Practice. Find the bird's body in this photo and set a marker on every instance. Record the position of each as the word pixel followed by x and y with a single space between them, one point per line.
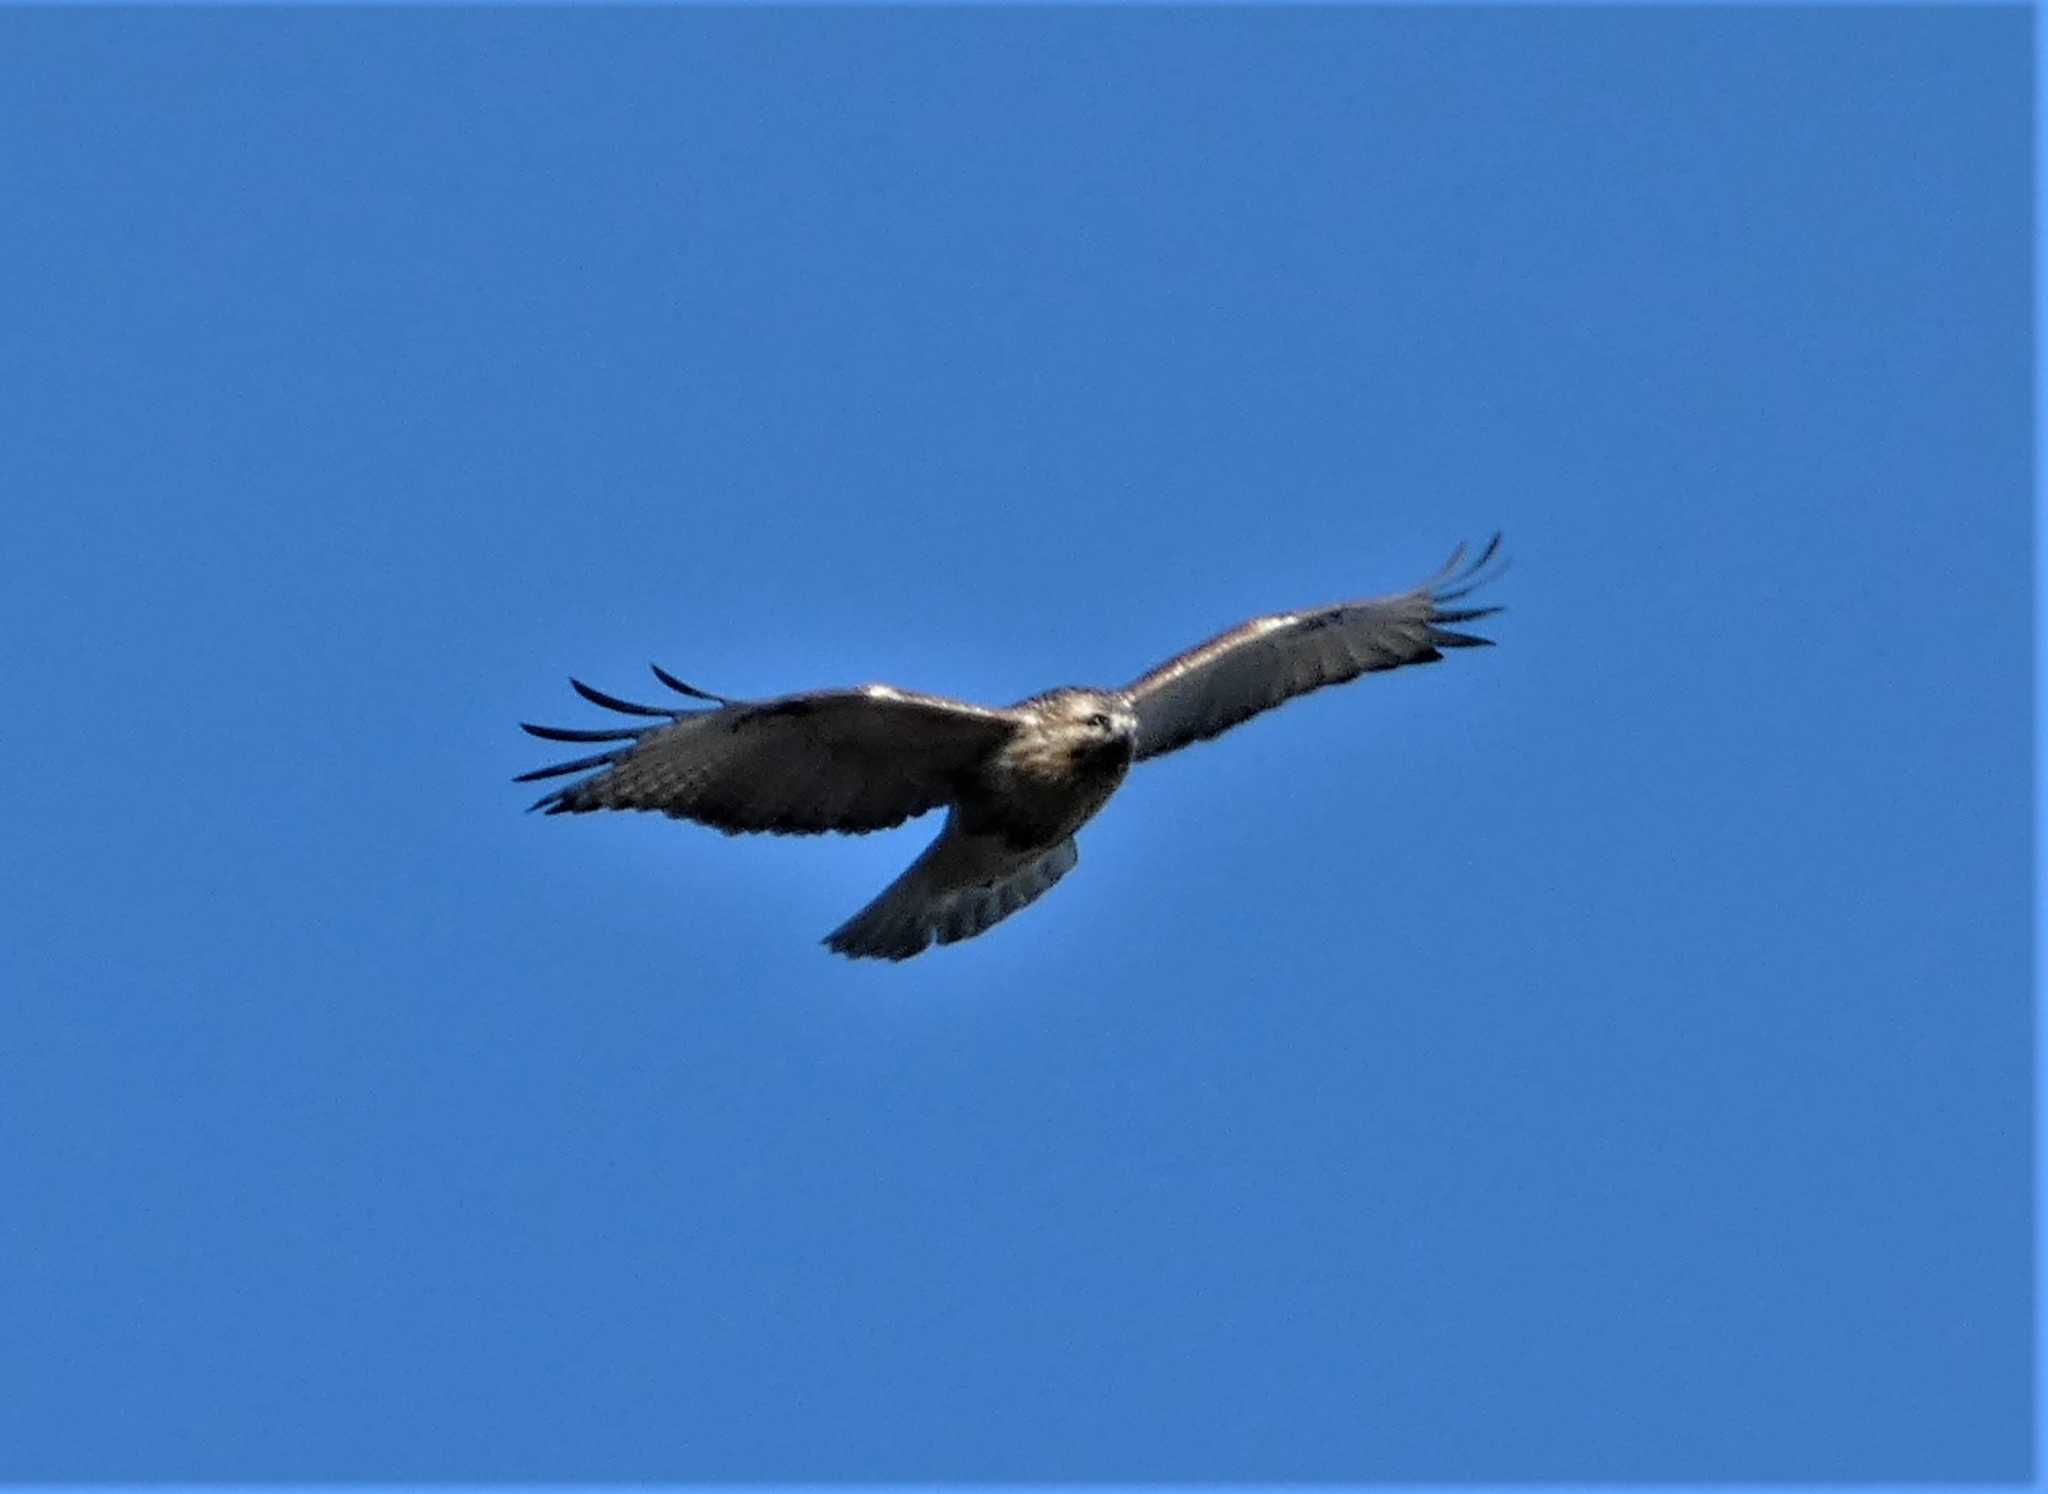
pixel 1069 752
pixel 1017 782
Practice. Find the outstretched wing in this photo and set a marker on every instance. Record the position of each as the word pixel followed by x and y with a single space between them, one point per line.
pixel 853 760
pixel 961 886
pixel 1258 665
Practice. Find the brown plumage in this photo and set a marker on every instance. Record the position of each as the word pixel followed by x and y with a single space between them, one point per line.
pixel 1018 782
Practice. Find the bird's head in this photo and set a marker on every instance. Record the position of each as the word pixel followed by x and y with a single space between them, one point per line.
pixel 1093 726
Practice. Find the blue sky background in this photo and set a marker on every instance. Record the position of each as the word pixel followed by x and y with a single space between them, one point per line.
pixel 1604 1056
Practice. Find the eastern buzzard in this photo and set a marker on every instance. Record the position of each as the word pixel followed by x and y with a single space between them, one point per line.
pixel 1016 782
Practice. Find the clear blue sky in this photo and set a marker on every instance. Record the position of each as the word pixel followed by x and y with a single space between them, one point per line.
pixel 1602 1056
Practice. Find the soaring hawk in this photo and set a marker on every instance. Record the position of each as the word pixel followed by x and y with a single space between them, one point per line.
pixel 1016 782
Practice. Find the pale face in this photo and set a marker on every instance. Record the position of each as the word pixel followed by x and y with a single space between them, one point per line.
pixel 1094 727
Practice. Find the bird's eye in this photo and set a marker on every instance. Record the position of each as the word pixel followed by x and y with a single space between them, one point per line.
pixel 1099 721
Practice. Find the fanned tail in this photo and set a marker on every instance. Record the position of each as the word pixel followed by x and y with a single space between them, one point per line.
pixel 961 886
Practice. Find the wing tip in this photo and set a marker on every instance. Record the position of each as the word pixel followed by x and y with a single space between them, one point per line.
pixel 629 736
pixel 682 687
pixel 1446 638
pixel 1457 577
pixel 613 703
pixel 575 765
pixel 581 734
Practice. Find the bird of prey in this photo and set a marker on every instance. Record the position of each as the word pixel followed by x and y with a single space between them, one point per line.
pixel 1016 782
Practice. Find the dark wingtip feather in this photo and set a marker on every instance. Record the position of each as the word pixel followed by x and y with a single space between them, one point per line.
pixel 556 770
pixel 579 734
pixel 684 689
pixel 1481 572
pixel 612 702
pixel 1462 614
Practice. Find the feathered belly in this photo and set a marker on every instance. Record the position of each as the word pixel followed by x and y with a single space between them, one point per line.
pixel 1041 800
